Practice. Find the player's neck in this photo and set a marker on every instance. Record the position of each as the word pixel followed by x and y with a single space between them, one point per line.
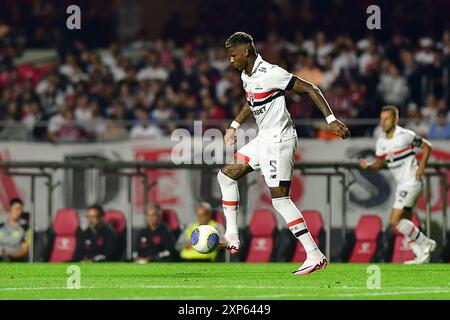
pixel 390 133
pixel 250 64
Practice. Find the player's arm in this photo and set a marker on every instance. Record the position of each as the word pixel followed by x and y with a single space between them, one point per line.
pixel 426 147
pixel 376 164
pixel 21 253
pixel 337 127
pixel 230 135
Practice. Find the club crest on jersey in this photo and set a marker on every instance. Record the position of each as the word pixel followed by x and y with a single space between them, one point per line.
pixel 390 156
pixel 251 97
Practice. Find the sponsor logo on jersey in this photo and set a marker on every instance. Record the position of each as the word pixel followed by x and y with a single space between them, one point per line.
pixel 259 111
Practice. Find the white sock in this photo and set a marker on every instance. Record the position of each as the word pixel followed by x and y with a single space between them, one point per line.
pixel 296 223
pixel 230 202
pixel 411 232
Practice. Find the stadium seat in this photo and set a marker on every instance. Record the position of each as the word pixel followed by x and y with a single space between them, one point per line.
pixel 315 225
pixel 367 234
pixel 170 218
pixel 65 227
pixel 117 220
pixel 262 229
pixel 219 217
pixel 402 251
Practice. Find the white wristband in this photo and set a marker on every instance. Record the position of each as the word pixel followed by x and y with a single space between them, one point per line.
pixel 330 118
pixel 235 125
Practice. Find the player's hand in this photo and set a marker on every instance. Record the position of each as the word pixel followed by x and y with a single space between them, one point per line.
pixel 339 129
pixel 363 164
pixel 420 173
pixel 230 137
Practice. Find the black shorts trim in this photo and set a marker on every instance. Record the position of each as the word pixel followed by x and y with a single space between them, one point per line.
pixel 285 184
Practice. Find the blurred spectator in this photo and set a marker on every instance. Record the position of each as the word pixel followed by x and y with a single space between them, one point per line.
pixel 430 110
pixel 66 129
pixel 310 72
pixel 155 242
pixel 392 87
pixel 114 131
pixel 144 129
pixel 416 123
pixel 440 129
pixel 187 76
pixel 99 241
pixel 12 129
pixel 14 234
pixel 204 217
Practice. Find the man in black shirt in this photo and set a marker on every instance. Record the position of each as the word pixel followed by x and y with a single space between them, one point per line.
pixel 155 242
pixel 99 241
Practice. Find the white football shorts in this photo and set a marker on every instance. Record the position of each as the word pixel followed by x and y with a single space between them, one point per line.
pixel 274 159
pixel 407 194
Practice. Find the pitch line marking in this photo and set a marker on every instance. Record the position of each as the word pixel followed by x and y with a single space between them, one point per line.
pixel 219 287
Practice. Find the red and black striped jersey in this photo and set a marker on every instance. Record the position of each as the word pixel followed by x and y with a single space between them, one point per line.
pixel 264 90
pixel 399 153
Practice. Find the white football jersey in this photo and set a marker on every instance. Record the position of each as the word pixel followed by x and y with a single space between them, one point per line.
pixel 399 153
pixel 264 90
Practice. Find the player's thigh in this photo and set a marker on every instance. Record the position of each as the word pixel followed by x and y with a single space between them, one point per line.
pixel 236 171
pixel 277 165
pixel 245 161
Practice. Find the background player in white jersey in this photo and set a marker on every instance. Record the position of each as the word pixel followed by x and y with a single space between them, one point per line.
pixel 272 151
pixel 395 148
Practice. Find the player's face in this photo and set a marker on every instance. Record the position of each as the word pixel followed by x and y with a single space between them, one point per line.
pixel 387 120
pixel 203 216
pixel 93 217
pixel 154 218
pixel 15 211
pixel 238 57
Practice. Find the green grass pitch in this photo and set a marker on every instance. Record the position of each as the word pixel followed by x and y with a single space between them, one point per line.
pixel 227 281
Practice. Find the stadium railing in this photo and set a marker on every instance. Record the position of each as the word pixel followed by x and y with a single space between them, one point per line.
pixel 17 131
pixel 130 169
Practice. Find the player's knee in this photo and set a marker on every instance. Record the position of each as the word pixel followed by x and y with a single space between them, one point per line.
pixel 403 226
pixel 279 192
pixel 395 221
pixel 224 179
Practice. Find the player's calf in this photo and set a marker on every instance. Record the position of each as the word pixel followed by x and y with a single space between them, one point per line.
pixel 297 225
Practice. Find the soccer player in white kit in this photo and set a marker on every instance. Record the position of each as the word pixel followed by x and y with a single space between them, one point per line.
pixel 273 150
pixel 396 148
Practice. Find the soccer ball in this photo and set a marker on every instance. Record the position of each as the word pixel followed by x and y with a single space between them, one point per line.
pixel 204 239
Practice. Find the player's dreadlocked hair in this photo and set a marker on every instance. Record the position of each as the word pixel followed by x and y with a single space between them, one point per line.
pixel 392 109
pixel 239 38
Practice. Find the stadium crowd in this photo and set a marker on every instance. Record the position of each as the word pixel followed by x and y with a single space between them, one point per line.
pixel 111 95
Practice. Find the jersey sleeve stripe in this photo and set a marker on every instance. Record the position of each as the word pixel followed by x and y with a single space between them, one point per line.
pixel 291 83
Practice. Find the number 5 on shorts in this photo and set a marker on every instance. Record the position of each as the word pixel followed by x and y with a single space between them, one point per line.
pixel 273 165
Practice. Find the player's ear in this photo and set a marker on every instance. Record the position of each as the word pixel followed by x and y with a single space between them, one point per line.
pixel 246 52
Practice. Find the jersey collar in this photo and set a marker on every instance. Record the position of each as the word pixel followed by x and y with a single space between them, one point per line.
pixel 258 61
